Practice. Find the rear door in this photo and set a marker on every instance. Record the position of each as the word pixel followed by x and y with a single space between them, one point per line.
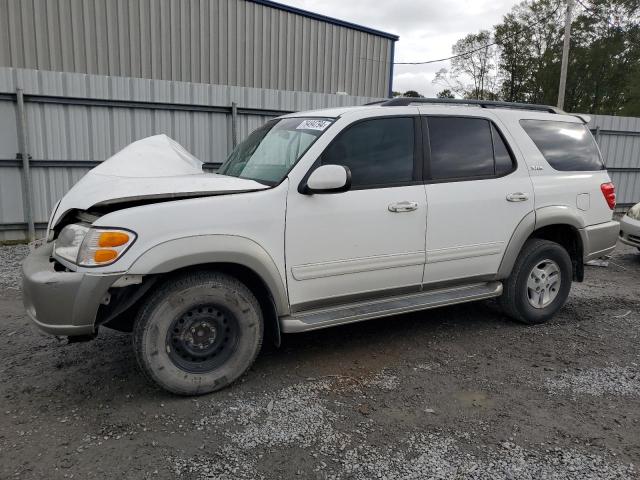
pixel 477 193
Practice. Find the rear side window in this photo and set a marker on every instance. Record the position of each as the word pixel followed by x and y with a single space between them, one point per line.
pixel 378 152
pixel 503 159
pixel 466 148
pixel 566 146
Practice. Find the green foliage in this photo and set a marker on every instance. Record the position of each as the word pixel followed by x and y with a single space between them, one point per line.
pixel 411 93
pixel 473 75
pixel 446 93
pixel 604 58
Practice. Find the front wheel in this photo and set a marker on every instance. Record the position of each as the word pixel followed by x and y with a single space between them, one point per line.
pixel 539 283
pixel 198 333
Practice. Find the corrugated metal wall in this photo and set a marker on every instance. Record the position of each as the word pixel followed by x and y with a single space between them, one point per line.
pixel 63 137
pixel 619 140
pixel 224 42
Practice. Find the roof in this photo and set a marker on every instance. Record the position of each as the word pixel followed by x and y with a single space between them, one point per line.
pixel 438 106
pixel 404 101
pixel 324 18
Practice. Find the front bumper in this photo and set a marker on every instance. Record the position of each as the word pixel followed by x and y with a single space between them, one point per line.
pixel 630 231
pixel 599 240
pixel 60 302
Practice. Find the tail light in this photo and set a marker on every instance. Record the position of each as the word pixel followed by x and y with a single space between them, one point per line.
pixel 609 192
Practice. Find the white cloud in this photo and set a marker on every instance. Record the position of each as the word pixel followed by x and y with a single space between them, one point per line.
pixel 427 29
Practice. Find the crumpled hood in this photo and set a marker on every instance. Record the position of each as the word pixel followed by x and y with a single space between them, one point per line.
pixel 152 168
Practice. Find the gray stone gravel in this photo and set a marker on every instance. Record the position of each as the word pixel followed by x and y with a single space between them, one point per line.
pixel 10 259
pixel 436 456
pixel 303 416
pixel 613 380
pixel 453 393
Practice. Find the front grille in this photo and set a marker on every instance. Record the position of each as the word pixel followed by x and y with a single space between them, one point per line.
pixel 634 238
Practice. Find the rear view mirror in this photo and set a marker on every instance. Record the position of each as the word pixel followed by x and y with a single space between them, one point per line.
pixel 328 179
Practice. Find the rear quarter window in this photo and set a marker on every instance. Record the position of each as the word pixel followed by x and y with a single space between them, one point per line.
pixel 566 146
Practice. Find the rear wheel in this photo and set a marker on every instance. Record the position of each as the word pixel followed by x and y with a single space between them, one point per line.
pixel 198 333
pixel 539 283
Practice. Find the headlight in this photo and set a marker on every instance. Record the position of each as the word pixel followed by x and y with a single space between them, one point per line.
pixel 92 247
pixel 634 212
pixel 69 241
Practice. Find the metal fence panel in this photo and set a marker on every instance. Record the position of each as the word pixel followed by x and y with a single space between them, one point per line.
pixel 619 141
pixel 65 138
pixel 63 135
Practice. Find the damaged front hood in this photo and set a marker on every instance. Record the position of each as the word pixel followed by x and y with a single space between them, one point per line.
pixel 152 168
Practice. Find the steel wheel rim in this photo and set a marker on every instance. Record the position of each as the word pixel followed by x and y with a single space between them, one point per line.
pixel 202 338
pixel 543 283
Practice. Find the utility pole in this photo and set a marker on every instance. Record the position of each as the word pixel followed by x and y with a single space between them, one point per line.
pixel 565 53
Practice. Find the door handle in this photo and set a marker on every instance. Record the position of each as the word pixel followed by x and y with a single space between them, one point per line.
pixel 405 206
pixel 517 197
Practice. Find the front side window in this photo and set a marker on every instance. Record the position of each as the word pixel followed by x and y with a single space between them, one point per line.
pixel 566 146
pixel 272 150
pixel 466 148
pixel 379 152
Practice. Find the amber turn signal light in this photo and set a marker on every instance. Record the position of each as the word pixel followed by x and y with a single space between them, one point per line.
pixel 112 239
pixel 104 255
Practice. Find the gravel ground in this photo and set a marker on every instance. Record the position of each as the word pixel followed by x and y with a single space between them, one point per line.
pixel 10 258
pixel 458 392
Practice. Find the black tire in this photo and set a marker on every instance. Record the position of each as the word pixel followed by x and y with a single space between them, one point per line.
pixel 197 333
pixel 515 299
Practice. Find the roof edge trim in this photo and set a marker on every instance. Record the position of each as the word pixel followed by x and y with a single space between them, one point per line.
pixel 324 18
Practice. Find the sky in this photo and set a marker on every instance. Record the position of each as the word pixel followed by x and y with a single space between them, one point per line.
pixel 427 29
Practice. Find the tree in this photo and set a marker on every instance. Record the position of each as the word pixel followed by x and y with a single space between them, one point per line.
pixel 473 72
pixel 524 63
pixel 478 64
pixel 411 93
pixel 605 59
pixel 446 93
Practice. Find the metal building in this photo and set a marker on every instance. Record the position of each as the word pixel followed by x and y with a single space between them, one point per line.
pixel 247 43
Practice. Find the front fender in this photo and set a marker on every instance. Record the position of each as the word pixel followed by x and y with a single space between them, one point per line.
pixel 202 249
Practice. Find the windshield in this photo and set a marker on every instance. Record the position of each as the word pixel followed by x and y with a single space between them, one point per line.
pixel 272 150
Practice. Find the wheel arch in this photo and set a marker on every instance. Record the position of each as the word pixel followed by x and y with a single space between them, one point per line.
pixel 236 256
pixel 206 251
pixel 559 224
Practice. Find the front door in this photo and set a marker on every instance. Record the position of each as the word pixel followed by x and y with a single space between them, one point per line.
pixel 341 247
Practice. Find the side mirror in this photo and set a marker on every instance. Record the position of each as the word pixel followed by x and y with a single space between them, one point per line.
pixel 328 179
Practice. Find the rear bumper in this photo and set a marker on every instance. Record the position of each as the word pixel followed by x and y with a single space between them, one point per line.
pixel 599 240
pixel 630 231
pixel 61 303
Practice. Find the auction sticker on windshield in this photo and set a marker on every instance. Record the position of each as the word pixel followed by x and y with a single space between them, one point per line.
pixel 313 125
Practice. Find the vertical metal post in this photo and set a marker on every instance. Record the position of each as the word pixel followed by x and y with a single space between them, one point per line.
pixel 565 54
pixel 597 135
pixel 23 145
pixel 234 124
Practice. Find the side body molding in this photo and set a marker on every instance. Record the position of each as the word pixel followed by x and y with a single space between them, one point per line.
pixel 545 216
pixel 201 249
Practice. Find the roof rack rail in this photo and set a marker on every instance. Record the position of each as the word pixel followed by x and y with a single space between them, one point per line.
pixel 404 101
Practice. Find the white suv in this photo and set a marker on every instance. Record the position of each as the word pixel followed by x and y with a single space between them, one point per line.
pixel 322 218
